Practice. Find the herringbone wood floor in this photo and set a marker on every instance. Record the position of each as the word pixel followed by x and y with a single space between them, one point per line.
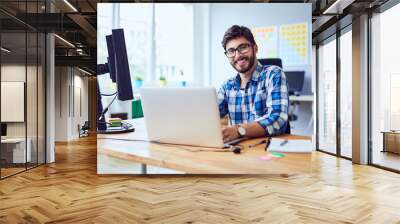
pixel 70 191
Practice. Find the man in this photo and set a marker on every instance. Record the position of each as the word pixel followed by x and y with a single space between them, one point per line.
pixel 256 98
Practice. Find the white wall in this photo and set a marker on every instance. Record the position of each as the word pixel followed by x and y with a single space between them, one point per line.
pixel 71 96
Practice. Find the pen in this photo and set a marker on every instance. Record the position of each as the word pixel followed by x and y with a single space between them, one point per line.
pixel 268 143
pixel 258 143
pixel 284 142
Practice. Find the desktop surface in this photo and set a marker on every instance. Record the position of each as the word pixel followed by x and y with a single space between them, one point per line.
pixel 200 160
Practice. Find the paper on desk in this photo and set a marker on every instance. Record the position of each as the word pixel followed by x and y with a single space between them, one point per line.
pixel 299 146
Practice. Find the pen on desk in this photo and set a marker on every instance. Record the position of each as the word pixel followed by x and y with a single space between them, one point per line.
pixel 268 143
pixel 258 143
pixel 284 142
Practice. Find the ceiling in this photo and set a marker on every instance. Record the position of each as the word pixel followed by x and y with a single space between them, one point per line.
pixel 75 21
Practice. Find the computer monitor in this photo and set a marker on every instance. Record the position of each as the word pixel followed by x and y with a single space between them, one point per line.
pixel 295 80
pixel 118 67
pixel 111 61
pixel 123 76
pixel 3 129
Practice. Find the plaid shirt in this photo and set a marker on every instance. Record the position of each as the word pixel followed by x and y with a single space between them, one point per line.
pixel 264 100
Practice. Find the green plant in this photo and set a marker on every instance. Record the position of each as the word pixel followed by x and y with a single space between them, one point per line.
pixel 162 78
pixel 138 78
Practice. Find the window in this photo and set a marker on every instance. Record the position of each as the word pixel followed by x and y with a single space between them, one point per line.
pixel 345 93
pixel 327 96
pixel 174 41
pixel 385 85
pixel 158 44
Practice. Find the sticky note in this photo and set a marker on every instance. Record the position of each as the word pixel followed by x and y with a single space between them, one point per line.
pixel 266 158
pixel 277 154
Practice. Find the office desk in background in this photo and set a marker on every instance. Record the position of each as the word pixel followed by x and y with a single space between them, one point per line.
pixel 199 160
pixel 302 98
pixel 13 150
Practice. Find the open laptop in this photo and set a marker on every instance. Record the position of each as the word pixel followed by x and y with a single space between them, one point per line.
pixel 185 116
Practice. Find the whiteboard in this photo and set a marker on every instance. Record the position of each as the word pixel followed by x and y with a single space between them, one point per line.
pixel 12 101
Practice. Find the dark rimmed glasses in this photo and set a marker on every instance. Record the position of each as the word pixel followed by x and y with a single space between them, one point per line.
pixel 242 49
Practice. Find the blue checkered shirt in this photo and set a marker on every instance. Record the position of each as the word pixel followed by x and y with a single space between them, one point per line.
pixel 264 100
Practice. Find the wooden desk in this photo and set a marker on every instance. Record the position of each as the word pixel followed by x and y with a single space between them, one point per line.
pixel 391 141
pixel 200 160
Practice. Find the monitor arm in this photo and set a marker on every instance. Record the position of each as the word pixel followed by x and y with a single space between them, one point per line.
pixel 101 121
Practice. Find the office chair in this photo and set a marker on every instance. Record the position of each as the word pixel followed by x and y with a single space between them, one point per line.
pixel 84 130
pixel 271 61
pixel 277 62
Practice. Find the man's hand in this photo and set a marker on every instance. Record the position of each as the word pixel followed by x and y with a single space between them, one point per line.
pixel 230 133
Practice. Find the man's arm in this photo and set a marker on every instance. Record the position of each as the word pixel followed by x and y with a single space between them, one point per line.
pixel 274 122
pixel 222 102
pixel 253 129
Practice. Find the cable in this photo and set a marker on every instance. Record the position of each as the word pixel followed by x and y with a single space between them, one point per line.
pixel 112 94
pixel 234 148
pixel 106 109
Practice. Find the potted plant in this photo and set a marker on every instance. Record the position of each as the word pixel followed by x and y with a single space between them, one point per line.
pixel 138 82
pixel 163 81
pixel 182 78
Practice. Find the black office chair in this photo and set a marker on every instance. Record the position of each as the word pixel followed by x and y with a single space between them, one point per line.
pixel 271 61
pixel 277 62
pixel 84 130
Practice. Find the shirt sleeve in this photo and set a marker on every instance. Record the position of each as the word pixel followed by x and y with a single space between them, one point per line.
pixel 275 121
pixel 222 102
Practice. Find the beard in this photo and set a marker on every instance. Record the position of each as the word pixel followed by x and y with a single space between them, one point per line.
pixel 243 64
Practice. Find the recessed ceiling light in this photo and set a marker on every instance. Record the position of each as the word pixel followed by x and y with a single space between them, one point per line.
pixel 86 72
pixel 64 40
pixel 337 7
pixel 70 5
pixel 5 50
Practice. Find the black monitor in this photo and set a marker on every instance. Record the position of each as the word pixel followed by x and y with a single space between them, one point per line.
pixel 123 76
pixel 295 80
pixel 3 129
pixel 111 61
pixel 118 67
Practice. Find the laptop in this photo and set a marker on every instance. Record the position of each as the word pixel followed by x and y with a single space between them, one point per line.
pixel 184 116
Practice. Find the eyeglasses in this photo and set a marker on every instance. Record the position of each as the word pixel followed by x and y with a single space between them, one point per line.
pixel 242 49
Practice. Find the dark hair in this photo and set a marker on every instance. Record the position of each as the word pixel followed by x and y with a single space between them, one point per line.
pixel 236 31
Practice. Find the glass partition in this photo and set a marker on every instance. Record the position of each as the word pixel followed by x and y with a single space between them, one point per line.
pixel 385 89
pixel 22 88
pixel 327 96
pixel 346 93
pixel 13 94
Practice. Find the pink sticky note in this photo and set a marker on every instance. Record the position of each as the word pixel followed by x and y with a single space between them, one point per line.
pixel 266 158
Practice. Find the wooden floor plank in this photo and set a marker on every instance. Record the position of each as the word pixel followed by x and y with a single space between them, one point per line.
pixel 70 191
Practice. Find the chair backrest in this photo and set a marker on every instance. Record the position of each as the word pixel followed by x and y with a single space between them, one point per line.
pixel 287 130
pixel 271 61
pixel 86 126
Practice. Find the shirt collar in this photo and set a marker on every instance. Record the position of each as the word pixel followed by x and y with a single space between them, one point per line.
pixel 254 76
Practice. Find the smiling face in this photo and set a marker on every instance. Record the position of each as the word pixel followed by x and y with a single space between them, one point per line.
pixel 244 54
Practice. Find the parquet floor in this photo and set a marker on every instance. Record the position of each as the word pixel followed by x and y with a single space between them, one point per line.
pixel 70 191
